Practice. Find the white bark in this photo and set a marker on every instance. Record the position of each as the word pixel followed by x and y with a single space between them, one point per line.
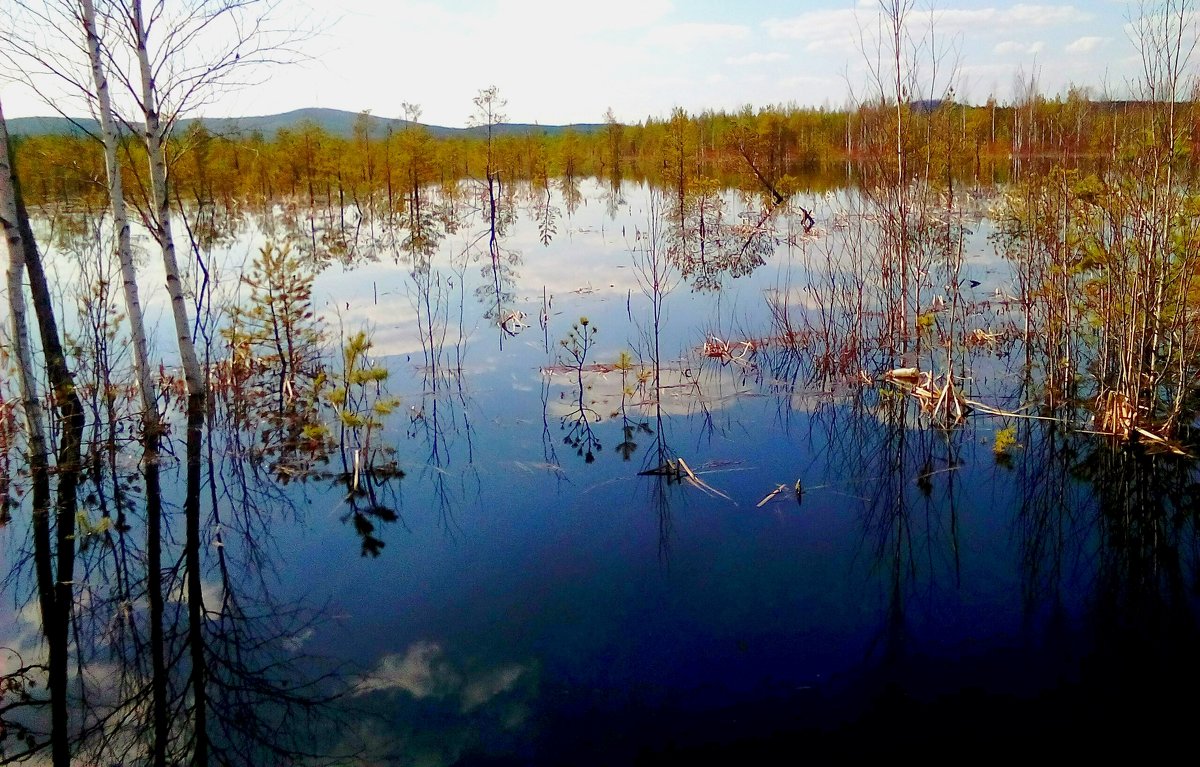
pixel 155 138
pixel 133 306
pixel 16 299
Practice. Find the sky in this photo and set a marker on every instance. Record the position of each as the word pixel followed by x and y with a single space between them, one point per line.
pixel 565 61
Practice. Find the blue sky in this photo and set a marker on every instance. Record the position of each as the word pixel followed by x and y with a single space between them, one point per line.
pixel 559 61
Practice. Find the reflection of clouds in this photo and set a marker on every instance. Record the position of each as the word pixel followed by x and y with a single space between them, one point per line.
pixel 588 260
pixel 684 391
pixel 22 645
pixel 21 640
pixel 563 277
pixel 390 338
pixel 807 400
pixel 480 690
pixel 389 316
pixel 424 672
pixel 799 296
pixel 296 642
pixel 211 592
pixel 425 708
pixel 420 672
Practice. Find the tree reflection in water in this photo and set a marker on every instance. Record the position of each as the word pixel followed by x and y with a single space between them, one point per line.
pixel 1098 541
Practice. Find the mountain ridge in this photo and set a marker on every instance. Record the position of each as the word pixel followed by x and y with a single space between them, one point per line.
pixel 333 121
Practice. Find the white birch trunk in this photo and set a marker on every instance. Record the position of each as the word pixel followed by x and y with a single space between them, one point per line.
pixel 17 309
pixel 116 193
pixel 161 204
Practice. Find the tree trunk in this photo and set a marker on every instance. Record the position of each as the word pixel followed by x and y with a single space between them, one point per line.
pixel 39 461
pixel 155 138
pixel 151 426
pixel 195 595
pixel 55 590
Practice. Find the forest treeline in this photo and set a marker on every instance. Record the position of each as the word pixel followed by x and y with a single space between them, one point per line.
pixel 787 149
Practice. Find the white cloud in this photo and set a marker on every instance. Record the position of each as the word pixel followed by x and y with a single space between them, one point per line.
pixel 752 59
pixel 688 35
pixel 818 29
pixel 585 17
pixel 1086 44
pixel 567 60
pixel 1014 47
pixel 846 29
pixel 1015 18
pixel 1154 21
pixel 802 84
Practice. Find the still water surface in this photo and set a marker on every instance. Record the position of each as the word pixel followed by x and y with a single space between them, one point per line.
pixel 538 605
pixel 545 597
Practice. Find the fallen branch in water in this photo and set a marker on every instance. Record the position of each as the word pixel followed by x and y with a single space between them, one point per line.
pixel 677 469
pixel 699 483
pixel 798 489
pixel 940 397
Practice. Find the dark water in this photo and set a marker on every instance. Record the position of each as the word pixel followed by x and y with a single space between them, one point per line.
pixel 539 607
pixel 532 605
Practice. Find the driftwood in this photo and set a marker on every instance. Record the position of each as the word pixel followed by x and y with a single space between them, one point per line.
pixel 939 397
pixel 798 490
pixel 1116 416
pixel 513 322
pixel 807 222
pixel 677 470
pixel 738 352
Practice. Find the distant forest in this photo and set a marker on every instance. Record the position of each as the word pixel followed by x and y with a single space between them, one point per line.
pixel 329 155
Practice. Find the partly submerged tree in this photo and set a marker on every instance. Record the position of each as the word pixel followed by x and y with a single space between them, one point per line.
pixel 275 371
pixel 501 263
pixel 151 418
pixel 165 58
pixel 54 557
pixel 1119 252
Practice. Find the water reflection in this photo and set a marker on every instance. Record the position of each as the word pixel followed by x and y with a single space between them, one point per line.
pixel 497 204
pixel 477 706
pixel 708 244
pixel 759 539
pixel 443 416
pixel 1146 579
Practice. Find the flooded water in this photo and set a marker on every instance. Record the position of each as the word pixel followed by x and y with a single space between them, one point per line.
pixel 701 523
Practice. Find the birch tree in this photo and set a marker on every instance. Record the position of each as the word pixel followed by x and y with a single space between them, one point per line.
pixel 165 58
pixel 54 559
pixel 151 425
pixel 164 86
pixel 31 400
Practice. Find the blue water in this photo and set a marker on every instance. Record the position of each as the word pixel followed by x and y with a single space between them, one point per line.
pixel 540 608
pixel 531 606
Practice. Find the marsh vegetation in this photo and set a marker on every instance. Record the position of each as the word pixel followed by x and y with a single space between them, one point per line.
pixel 777 426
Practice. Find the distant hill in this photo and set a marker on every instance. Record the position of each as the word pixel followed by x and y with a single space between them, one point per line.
pixel 333 121
pixel 52 126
